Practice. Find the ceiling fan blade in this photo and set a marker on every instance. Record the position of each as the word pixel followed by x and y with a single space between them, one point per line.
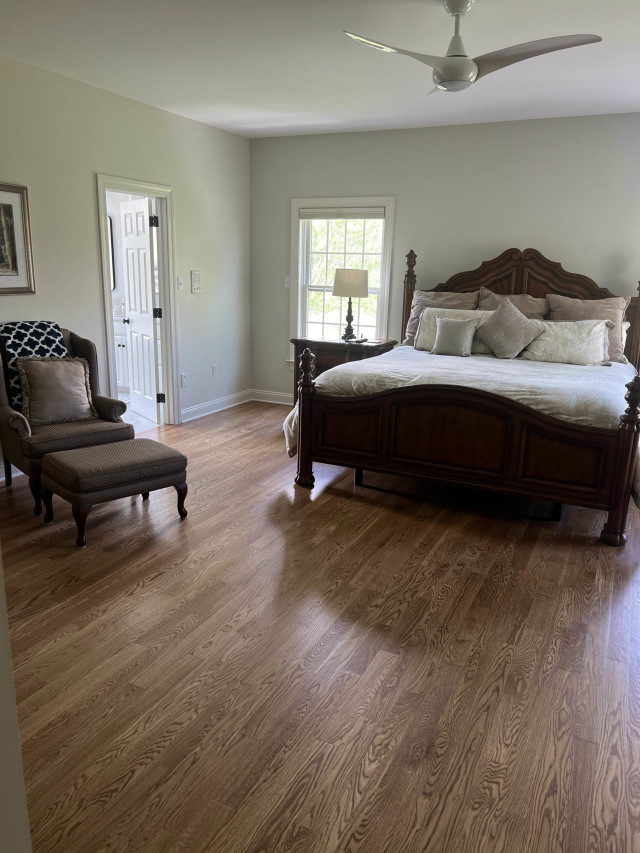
pixel 426 59
pixel 490 62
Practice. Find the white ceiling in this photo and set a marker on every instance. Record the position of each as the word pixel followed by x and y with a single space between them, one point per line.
pixel 273 67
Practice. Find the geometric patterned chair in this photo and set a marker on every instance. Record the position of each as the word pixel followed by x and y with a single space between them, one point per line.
pixel 24 445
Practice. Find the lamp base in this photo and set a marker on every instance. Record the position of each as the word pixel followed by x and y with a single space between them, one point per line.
pixel 349 334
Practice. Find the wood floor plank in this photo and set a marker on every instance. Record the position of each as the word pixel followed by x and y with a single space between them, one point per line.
pixel 346 670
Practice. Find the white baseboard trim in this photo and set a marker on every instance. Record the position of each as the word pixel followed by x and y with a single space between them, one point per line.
pixel 278 397
pixel 251 395
pixel 213 406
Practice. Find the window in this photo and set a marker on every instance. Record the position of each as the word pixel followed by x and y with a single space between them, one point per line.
pixel 354 235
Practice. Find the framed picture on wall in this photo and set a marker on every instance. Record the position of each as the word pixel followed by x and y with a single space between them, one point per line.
pixel 16 261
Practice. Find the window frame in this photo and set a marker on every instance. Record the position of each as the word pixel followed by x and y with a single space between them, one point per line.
pixel 296 266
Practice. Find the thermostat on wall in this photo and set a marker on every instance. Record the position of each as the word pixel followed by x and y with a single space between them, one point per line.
pixel 196 281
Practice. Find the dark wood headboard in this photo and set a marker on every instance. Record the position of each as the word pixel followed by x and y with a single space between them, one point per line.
pixel 527 272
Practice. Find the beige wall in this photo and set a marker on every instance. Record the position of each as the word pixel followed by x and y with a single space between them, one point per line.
pixel 14 821
pixel 568 187
pixel 57 134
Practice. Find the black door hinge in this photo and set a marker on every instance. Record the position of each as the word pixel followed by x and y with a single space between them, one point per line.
pixel 153 222
pixel 161 398
pixel 157 313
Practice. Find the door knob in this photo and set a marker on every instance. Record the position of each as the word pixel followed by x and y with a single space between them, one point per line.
pixel 126 320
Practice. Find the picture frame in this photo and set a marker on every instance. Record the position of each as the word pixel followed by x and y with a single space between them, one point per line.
pixel 16 259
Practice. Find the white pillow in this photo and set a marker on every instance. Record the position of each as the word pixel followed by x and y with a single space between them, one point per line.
pixel 427 330
pixel 573 342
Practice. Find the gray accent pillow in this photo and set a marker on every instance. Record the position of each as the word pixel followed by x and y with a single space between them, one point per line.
pixel 454 337
pixel 531 306
pixel 55 390
pixel 426 334
pixel 566 309
pixel 436 299
pixel 507 331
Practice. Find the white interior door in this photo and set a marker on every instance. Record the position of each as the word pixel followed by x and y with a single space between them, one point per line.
pixel 139 322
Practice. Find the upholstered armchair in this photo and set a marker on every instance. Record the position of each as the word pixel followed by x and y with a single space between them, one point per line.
pixel 24 445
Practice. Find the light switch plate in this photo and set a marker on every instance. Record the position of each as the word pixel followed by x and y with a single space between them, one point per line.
pixel 196 281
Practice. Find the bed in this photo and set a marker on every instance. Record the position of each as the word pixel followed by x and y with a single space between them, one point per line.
pixel 472 436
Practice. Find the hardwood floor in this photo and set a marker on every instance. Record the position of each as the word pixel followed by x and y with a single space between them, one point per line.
pixel 337 670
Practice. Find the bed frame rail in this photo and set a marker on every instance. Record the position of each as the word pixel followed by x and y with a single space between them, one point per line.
pixel 472 438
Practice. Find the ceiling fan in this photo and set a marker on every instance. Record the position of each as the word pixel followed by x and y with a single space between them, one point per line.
pixel 457 70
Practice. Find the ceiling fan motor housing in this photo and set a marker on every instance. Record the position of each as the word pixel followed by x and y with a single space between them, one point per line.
pixel 457 7
pixel 455 73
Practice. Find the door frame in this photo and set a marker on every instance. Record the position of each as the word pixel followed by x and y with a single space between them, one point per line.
pixel 166 275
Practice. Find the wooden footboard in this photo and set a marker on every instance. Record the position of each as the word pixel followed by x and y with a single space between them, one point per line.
pixel 473 438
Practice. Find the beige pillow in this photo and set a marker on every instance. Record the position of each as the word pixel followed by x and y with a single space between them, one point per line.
pixel 427 329
pixel 507 331
pixel 55 390
pixel 454 337
pixel 530 306
pixel 565 309
pixel 436 299
pixel 577 342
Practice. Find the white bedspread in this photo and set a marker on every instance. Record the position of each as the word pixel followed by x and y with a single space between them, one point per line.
pixel 585 395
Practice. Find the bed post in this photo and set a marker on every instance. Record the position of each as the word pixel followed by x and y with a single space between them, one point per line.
pixel 306 389
pixel 409 287
pixel 632 350
pixel 613 532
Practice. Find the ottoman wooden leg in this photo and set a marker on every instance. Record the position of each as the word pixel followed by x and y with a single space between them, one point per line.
pixel 145 496
pixel 182 493
pixel 35 486
pixel 47 500
pixel 80 514
pixel 7 473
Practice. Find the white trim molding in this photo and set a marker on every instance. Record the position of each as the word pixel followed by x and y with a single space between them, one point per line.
pixel 277 397
pixel 213 406
pixel 252 395
pixel 388 203
pixel 166 264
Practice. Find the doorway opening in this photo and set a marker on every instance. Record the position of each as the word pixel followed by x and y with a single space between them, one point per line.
pixel 135 225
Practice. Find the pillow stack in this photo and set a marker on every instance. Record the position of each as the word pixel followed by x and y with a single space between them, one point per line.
pixel 566 309
pixel 576 331
pixel 25 338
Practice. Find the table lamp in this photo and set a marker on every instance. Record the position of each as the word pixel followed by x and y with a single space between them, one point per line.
pixel 354 284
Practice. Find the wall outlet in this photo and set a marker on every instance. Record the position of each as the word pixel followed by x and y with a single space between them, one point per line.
pixel 214 369
pixel 183 380
pixel 180 282
pixel 196 281
pixel 287 282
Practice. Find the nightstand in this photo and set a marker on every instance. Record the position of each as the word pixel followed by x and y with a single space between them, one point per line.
pixel 330 353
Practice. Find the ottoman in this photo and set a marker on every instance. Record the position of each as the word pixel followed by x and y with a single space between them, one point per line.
pixel 92 475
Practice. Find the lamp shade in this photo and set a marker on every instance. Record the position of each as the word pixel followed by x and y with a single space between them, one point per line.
pixel 352 283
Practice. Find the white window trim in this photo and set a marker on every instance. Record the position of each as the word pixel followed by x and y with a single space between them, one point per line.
pixel 298 204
